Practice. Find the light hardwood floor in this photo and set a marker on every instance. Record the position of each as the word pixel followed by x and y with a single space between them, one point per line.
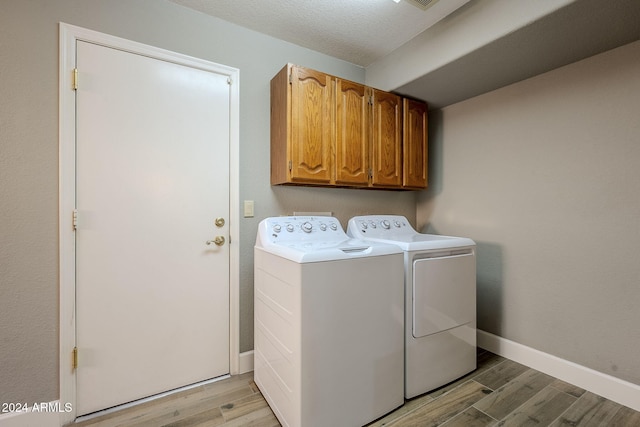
pixel 499 393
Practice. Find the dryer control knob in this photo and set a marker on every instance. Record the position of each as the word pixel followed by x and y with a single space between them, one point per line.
pixel 290 228
pixel 396 223
pixel 386 224
pixel 364 225
pixel 372 224
pixel 277 228
pixel 307 227
pixel 323 226
pixel 333 226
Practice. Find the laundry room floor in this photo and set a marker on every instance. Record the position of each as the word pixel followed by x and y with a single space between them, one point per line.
pixel 500 392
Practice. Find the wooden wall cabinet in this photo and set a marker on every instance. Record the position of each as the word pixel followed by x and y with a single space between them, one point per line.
pixel 332 132
pixel 352 134
pixel 415 155
pixel 386 148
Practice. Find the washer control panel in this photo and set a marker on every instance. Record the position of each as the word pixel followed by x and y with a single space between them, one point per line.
pixel 303 229
pixel 380 226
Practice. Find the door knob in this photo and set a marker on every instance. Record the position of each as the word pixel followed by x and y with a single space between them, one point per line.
pixel 219 241
pixel 219 222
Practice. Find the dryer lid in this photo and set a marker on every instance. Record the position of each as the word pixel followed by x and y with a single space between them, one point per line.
pixel 395 229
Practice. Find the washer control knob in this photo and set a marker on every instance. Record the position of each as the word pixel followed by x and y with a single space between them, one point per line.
pixel 364 225
pixel 372 224
pixel 333 226
pixel 307 227
pixel 290 228
pixel 323 226
pixel 277 228
pixel 385 224
pixel 396 223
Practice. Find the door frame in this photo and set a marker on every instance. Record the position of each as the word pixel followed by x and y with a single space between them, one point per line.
pixel 69 35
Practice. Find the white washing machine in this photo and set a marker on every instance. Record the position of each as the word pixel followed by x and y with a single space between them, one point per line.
pixel 440 300
pixel 329 319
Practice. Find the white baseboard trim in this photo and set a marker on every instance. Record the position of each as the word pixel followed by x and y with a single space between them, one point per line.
pixel 612 388
pixel 246 362
pixel 47 416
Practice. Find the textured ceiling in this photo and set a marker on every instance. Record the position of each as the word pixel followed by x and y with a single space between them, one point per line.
pixel 357 31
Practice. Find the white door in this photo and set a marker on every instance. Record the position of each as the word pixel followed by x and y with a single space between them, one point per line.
pixel 152 176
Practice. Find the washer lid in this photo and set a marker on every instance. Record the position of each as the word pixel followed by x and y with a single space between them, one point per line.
pixel 395 229
pixel 314 239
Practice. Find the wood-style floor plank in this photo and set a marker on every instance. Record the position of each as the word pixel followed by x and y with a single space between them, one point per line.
pixel 500 374
pixel 625 417
pixel 571 389
pixel 541 410
pixel 507 398
pixel 589 410
pixel 447 406
pixel 470 417
pixel 263 417
pixel 409 406
pixel 211 417
pixel 244 406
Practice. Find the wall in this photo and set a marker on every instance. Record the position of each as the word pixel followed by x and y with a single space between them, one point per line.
pixel 544 175
pixel 29 160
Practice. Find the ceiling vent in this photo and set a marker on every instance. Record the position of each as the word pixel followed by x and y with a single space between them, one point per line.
pixel 422 4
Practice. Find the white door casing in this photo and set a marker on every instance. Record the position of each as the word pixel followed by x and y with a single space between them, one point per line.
pixel 157 184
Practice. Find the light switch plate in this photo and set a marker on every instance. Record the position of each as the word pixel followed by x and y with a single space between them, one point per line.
pixel 248 208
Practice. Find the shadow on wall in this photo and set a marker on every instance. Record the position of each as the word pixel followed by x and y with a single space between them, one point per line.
pixel 435 153
pixel 490 287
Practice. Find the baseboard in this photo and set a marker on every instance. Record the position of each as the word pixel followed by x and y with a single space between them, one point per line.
pixel 612 388
pixel 47 416
pixel 246 362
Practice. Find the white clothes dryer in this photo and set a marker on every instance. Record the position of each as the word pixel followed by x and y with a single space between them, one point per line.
pixel 440 300
pixel 329 319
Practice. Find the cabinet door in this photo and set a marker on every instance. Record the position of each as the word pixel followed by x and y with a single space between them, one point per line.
pixel 386 154
pixel 414 144
pixel 352 134
pixel 311 126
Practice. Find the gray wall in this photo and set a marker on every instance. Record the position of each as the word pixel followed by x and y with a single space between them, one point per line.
pixel 545 176
pixel 29 160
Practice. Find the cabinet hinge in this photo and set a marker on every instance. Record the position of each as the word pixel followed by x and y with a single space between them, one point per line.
pixel 370 99
pixel 75 219
pixel 290 166
pixel 74 358
pixel 229 81
pixel 370 173
pixel 75 79
pixel 290 78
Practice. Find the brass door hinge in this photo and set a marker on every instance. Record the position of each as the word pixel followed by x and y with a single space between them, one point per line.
pixel 74 358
